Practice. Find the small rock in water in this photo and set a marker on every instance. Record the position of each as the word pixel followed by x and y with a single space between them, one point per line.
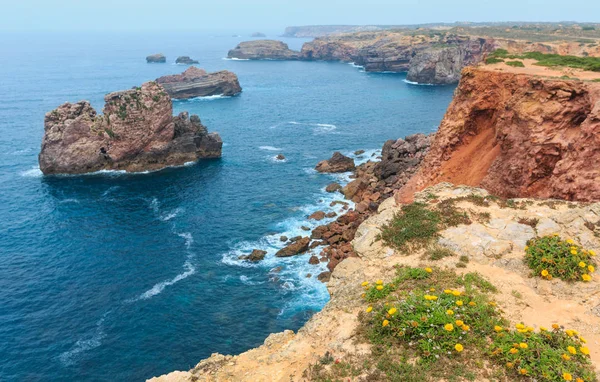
pixel 318 215
pixel 156 58
pixel 337 163
pixel 308 275
pixel 324 276
pixel 359 152
pixel 276 270
pixel 283 238
pixel 185 60
pixel 333 187
pixel 331 214
pixel 280 157
pixel 305 228
pixel 313 260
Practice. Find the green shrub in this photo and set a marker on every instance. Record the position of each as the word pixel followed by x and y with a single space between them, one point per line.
pixel 554 355
pixel 550 256
pixel 493 60
pixel 516 64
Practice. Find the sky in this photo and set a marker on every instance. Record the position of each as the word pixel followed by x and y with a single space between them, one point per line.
pixel 263 15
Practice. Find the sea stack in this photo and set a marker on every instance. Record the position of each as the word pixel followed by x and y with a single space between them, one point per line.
pixel 158 58
pixel 185 60
pixel 136 132
pixel 263 50
pixel 195 82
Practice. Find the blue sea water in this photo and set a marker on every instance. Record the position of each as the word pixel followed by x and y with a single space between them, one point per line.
pixel 109 276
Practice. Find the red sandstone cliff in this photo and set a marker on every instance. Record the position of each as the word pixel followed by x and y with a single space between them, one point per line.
pixel 517 136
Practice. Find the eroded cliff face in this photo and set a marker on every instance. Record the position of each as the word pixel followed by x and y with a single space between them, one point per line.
pixel 196 82
pixel 517 136
pixel 136 132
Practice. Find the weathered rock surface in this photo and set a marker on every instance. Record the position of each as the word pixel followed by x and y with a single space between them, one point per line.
pixel 337 163
pixel 195 82
pixel 517 136
pixel 263 50
pixel 136 132
pixel 400 158
pixel 255 255
pixel 333 187
pixel 185 60
pixel 158 58
pixel 297 247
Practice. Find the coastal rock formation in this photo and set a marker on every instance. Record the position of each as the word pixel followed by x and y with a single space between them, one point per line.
pixel 517 136
pixel 195 82
pixel 256 255
pixel 297 247
pixel 337 163
pixel 263 50
pixel 400 158
pixel 136 132
pixel 158 58
pixel 258 35
pixel 334 331
pixel 185 60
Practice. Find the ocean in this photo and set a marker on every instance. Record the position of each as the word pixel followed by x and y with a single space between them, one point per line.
pixel 113 276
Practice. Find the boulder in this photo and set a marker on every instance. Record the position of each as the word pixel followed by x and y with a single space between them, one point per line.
pixel 283 238
pixel 196 82
pixel 319 215
pixel 314 260
pixel 263 50
pixel 158 58
pixel 337 163
pixel 257 255
pixel 354 188
pixel 280 157
pixel 296 248
pixel 324 276
pixel 136 132
pixel 333 187
pixel 185 60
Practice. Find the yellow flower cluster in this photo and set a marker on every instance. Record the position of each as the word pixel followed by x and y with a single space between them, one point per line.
pixel 430 298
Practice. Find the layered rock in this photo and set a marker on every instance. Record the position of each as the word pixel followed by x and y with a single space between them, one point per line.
pixel 136 132
pixel 158 58
pixel 195 82
pixel 337 163
pixel 185 60
pixel 517 136
pixel 263 50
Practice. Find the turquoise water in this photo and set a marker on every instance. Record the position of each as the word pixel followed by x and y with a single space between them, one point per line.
pixel 110 277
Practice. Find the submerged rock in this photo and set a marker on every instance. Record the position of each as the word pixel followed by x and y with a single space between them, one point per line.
pixel 280 157
pixel 337 163
pixel 185 60
pixel 158 58
pixel 263 50
pixel 136 132
pixel 195 82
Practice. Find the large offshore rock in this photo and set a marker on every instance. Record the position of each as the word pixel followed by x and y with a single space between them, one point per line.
pixel 136 132
pixel 263 50
pixel 158 58
pixel 195 82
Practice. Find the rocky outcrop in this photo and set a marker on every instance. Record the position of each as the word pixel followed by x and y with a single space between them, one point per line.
pixel 263 50
pixel 195 82
pixel 136 132
pixel 400 158
pixel 337 163
pixel 255 255
pixel 517 136
pixel 258 35
pixel 185 60
pixel 158 58
pixel 297 247
pixel 326 30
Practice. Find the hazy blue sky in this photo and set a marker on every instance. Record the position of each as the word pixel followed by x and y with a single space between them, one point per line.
pixel 274 14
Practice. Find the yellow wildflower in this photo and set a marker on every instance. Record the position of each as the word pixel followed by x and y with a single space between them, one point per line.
pixel 509 365
pixel 523 371
pixel 365 283
pixel 379 287
pixel 449 312
pixel 586 277
pixel 555 326
pixel 447 291
pixel 379 282
pixel 583 340
pixel 569 332
pixel 466 328
pixel 392 311
pixel 566 357
pixel 523 345
pixel 513 351
pixel 520 326
pixel 579 380
pixel 449 327
pixel 456 292
pixel 492 303
pixel 458 347
pixel 526 247
pixel 567 377
pixel 428 270
pixel 459 302
pixel 459 323
pixel 584 350
pixel 472 303
pixel 572 350
pixel 573 251
pixel 592 252
pixel 432 289
pixel 582 264
pixel 591 268
pixel 570 241
pixel 498 328
pixel 545 273
pixel 369 309
pixel 385 323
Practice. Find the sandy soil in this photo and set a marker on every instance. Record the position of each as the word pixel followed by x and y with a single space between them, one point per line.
pixel 543 71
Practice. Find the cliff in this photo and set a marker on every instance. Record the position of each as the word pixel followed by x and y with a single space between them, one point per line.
pixel 263 50
pixel 195 82
pixel 517 136
pixel 335 344
pixel 136 132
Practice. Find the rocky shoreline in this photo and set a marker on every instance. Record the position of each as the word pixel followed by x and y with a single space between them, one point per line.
pixel 136 132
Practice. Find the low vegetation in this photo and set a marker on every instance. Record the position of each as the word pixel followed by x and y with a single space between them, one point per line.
pixel 551 60
pixel 550 256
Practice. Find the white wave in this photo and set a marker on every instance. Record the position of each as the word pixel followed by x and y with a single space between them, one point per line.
pixel 416 83
pixel 171 215
pixel 269 148
pixel 69 201
pixel 189 239
pixel 248 281
pixel 318 127
pixel 110 190
pixel 207 98
pixel 158 288
pixel 70 357
pixel 32 173
pixel 235 59
pixel 354 65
